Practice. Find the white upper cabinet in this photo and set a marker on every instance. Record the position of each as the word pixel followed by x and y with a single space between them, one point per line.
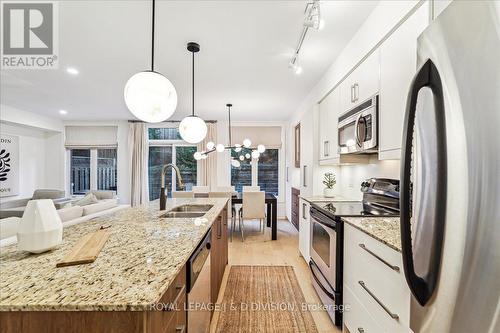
pixel 398 61
pixel 362 83
pixel 307 143
pixel 328 132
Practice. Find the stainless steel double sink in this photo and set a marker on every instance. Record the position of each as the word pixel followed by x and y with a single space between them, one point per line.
pixel 187 211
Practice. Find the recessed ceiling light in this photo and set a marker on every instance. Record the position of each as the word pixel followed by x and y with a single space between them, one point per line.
pixel 63 112
pixel 72 70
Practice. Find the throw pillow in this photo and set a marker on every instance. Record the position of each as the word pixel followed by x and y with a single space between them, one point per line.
pixel 88 199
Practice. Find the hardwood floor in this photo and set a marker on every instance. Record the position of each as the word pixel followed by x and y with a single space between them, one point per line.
pixel 258 249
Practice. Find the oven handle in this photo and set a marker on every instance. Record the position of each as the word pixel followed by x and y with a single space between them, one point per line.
pixel 329 294
pixel 319 217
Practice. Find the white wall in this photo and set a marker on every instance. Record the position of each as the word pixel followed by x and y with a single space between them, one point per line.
pixel 31 159
pixel 41 152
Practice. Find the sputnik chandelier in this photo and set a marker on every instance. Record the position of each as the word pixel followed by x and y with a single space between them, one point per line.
pixel 245 151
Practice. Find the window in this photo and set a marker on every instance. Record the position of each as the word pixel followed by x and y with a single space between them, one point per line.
pixel 164 134
pixel 166 146
pixel 187 165
pixel 241 176
pixel 106 169
pixel 93 169
pixel 267 171
pixel 80 171
pixel 266 174
pixel 158 156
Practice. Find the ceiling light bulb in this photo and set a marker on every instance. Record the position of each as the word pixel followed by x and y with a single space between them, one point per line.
pixel 247 155
pixel 235 163
pixel 193 129
pixel 255 154
pixel 297 70
pixel 72 71
pixel 261 148
pixel 210 145
pixel 197 156
pixel 242 158
pixel 204 156
pixel 63 112
pixel 150 96
pixel 237 147
pixel 220 147
pixel 247 143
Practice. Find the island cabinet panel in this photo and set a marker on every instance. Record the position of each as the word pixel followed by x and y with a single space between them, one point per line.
pixel 168 315
pixel 218 255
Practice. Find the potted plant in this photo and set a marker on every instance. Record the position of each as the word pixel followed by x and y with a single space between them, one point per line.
pixel 329 182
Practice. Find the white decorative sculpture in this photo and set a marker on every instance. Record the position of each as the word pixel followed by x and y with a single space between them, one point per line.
pixel 41 228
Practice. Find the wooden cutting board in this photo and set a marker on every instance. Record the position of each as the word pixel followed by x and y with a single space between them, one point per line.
pixel 86 249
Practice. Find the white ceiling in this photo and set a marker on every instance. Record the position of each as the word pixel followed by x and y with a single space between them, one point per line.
pixel 245 50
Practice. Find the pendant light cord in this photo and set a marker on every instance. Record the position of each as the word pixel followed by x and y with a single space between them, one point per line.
pixel 193 84
pixel 153 38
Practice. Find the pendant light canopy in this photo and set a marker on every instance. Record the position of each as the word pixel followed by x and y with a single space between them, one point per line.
pixel 193 129
pixel 149 95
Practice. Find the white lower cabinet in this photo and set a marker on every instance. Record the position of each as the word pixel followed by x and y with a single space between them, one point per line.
pixel 356 318
pixel 374 284
pixel 304 229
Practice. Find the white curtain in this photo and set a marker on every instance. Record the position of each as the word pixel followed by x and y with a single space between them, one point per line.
pixel 207 168
pixel 139 151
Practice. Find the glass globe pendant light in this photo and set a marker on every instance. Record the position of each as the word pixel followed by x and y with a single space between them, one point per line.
pixel 149 95
pixel 192 128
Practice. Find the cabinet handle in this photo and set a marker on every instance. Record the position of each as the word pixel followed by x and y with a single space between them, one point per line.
pixel 172 305
pixel 356 94
pixel 392 315
pixel 181 328
pixel 303 210
pixel 393 267
pixel 361 330
pixel 304 177
pixel 219 228
pixel 326 148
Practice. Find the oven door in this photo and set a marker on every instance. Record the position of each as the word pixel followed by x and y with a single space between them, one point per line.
pixel 324 245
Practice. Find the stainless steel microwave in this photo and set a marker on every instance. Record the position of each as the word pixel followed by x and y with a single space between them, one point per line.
pixel 358 128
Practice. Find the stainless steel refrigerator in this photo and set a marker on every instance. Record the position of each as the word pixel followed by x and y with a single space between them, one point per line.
pixel 450 173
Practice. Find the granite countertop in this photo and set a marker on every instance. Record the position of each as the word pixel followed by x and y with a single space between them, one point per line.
pixel 321 198
pixel 136 266
pixel 383 229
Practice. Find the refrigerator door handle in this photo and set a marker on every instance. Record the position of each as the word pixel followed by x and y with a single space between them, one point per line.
pixel 422 287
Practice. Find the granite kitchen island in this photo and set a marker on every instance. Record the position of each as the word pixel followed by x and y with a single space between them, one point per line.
pixel 142 264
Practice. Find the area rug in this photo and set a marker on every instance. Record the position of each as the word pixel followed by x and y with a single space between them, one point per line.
pixel 263 299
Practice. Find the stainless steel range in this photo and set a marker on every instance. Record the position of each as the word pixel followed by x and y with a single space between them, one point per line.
pixel 380 198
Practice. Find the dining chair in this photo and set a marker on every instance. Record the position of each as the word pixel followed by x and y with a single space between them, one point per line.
pixel 231 189
pixel 231 210
pixel 254 204
pixel 201 189
pixel 182 194
pixel 251 188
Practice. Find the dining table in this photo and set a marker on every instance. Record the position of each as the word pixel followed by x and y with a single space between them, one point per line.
pixel 272 211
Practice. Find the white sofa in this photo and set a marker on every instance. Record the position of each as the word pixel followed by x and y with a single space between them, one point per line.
pixel 69 216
